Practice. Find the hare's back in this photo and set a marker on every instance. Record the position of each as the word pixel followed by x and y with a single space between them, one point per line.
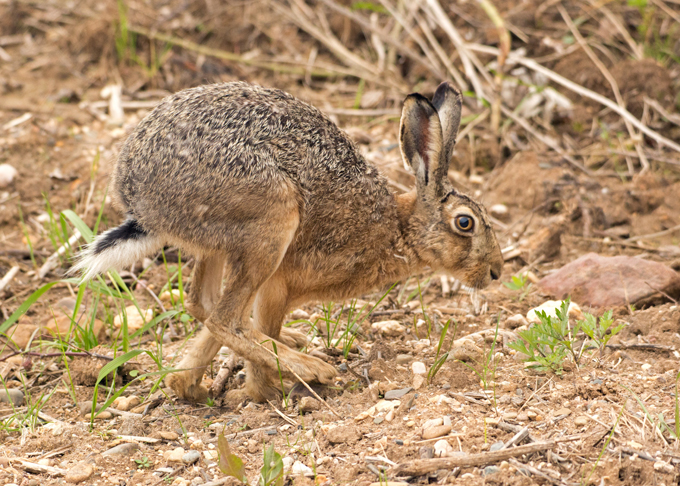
pixel 234 147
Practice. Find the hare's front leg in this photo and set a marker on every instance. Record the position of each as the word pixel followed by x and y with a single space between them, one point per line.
pixel 204 293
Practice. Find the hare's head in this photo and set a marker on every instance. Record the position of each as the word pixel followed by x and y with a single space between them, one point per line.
pixel 451 231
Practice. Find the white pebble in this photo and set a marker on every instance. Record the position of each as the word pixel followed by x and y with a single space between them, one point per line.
pixel 7 175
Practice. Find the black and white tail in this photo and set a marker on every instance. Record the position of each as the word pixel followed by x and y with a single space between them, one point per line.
pixel 116 248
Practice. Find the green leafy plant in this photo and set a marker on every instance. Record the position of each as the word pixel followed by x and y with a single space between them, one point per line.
pixel 143 463
pixel 271 473
pixel 519 283
pixel 600 331
pixel 230 464
pixel 548 343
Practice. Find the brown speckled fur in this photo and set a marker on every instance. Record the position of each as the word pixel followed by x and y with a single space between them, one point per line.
pixel 277 202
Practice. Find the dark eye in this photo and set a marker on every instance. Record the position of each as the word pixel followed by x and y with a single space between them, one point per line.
pixel 465 223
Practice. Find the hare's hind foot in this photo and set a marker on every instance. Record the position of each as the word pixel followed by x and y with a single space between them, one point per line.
pixel 185 387
pixel 187 383
pixel 292 338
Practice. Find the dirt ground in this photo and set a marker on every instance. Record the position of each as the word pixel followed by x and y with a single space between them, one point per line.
pixel 611 419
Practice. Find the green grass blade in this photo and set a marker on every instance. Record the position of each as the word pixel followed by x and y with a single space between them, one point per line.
pixel 26 305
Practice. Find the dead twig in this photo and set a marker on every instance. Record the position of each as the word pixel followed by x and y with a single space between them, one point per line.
pixel 423 466
pixel 8 277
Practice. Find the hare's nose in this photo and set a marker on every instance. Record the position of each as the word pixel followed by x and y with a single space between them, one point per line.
pixel 494 275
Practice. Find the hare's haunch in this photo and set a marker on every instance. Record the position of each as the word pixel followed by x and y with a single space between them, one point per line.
pixel 280 208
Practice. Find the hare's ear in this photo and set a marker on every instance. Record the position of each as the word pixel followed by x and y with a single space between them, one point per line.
pixel 448 102
pixel 420 139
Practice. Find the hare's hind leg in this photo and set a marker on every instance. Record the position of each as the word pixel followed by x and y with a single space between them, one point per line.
pixel 204 293
pixel 254 257
pixel 271 305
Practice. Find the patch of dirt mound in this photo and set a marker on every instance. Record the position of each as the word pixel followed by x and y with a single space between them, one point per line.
pixel 524 183
pixel 658 323
pixel 637 79
pixel 580 69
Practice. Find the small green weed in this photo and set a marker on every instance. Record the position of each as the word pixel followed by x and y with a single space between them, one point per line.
pixel 548 343
pixel 519 283
pixel 440 358
pixel 271 473
pixel 143 463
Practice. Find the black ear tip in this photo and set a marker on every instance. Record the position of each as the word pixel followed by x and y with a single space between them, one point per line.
pixel 447 89
pixel 421 101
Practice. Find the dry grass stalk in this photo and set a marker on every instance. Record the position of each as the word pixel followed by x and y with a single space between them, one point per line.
pixel 577 88
pixel 390 40
pixel 437 14
pixel 612 82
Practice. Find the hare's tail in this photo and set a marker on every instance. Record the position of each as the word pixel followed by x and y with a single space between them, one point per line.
pixel 116 248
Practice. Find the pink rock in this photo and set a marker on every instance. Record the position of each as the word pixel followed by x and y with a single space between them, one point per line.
pixel 600 281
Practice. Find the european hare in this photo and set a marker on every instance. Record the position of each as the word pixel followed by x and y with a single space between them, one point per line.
pixel 280 208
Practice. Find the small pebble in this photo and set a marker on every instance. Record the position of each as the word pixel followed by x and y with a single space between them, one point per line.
pixel 496 446
pixel 426 452
pixel 388 328
pixel 169 435
pixel 309 404
pixel 562 411
pixel 442 448
pixel 12 395
pixel 580 421
pixel 125 449
pixel 378 420
pixel 396 394
pixel 299 469
pixel 7 175
pixel 398 441
pixel 419 368
pixel 433 423
pixel 403 359
pixel 434 432
pixel 175 455
pixel 489 470
pixel 191 457
pixel 79 473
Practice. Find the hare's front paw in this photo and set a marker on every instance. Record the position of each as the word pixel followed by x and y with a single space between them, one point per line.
pixel 184 386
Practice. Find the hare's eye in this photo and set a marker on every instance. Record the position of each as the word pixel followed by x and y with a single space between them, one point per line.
pixel 465 223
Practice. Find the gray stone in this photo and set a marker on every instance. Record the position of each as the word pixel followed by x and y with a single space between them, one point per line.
pixel 126 449
pixel 396 394
pixel 191 457
pixel 496 446
pixel 378 420
pixel 12 395
pixel 489 470
pixel 426 452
